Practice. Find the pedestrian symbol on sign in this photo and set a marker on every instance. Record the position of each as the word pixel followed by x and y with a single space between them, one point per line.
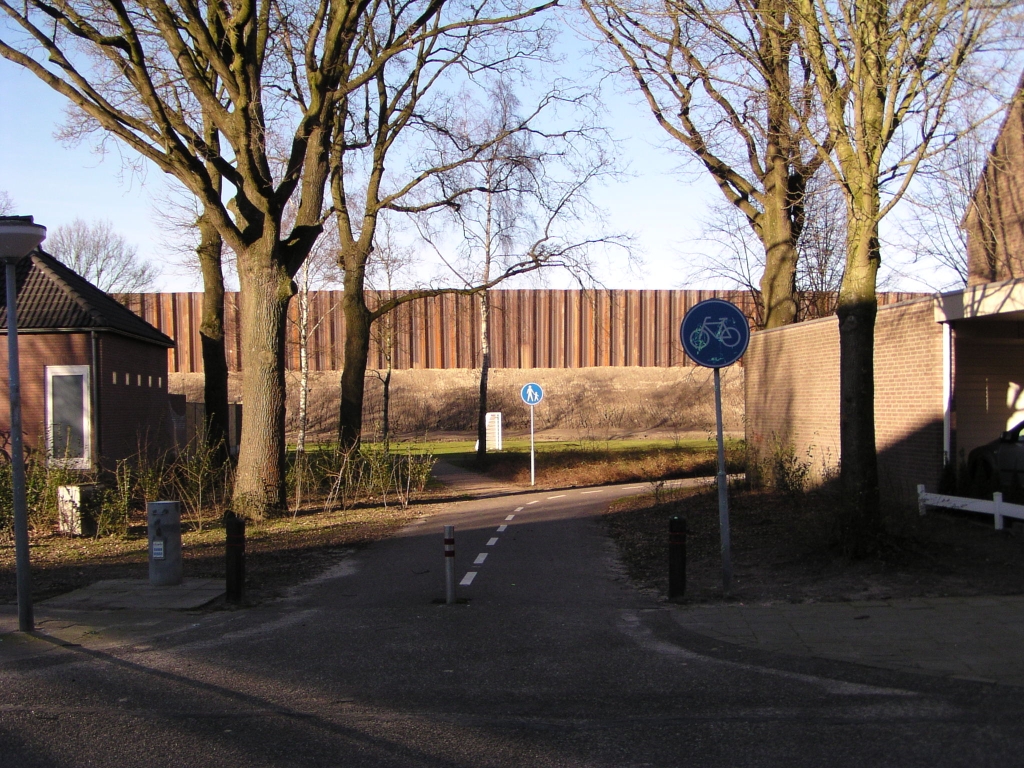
pixel 532 394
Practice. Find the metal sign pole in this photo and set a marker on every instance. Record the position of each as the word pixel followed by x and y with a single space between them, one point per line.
pixel 723 490
pixel 532 475
pixel 532 394
pixel 26 620
pixel 715 333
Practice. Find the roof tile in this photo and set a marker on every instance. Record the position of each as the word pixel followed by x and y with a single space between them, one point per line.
pixel 52 296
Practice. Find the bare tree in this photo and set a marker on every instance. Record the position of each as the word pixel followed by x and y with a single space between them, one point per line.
pixel 525 197
pixel 409 111
pixel 722 78
pixel 735 254
pixel 6 203
pixel 888 75
pixel 191 235
pixel 155 75
pixel 389 261
pixel 101 256
pixel 931 229
pixel 819 267
pixel 318 271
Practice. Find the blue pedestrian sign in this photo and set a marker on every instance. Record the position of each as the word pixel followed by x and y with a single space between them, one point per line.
pixel 532 394
pixel 715 333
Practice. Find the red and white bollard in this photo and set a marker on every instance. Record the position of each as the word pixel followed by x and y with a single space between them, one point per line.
pixel 449 564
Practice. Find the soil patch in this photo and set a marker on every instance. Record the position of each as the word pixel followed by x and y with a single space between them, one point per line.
pixel 279 553
pixel 780 551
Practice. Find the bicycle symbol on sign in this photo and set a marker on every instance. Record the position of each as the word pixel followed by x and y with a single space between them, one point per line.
pixel 717 330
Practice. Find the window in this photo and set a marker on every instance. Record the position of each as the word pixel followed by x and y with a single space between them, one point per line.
pixel 115 377
pixel 68 415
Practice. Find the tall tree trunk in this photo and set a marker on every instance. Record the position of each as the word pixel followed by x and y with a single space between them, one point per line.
pixel 300 443
pixel 776 227
pixel 357 350
pixel 857 310
pixel 211 326
pixel 266 290
pixel 778 283
pixel 386 405
pixel 485 367
pixel 211 336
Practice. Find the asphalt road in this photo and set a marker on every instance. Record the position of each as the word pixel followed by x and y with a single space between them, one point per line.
pixel 551 660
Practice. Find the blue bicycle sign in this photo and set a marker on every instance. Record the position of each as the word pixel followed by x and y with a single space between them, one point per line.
pixel 714 333
pixel 719 330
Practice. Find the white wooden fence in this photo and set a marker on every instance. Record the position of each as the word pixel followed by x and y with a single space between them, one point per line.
pixel 998 508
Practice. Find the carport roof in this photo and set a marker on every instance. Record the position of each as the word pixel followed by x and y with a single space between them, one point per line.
pixel 1003 300
pixel 52 297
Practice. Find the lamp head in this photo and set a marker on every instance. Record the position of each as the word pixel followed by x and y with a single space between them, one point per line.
pixel 19 236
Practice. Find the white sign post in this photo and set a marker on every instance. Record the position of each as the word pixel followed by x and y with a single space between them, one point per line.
pixel 532 394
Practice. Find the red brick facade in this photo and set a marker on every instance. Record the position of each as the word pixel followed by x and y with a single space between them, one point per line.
pixel 792 394
pixel 134 409
pixel 35 352
pixel 128 412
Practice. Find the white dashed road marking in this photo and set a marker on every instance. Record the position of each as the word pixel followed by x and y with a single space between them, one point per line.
pixel 559 496
pixel 501 528
pixel 584 493
pixel 467 579
pixel 492 542
pixel 534 502
pixel 480 558
pixel 519 509
pixel 510 517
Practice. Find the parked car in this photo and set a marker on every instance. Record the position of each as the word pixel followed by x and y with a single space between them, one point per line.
pixel 998 466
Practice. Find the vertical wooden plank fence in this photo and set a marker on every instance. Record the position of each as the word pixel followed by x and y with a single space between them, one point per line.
pixel 528 329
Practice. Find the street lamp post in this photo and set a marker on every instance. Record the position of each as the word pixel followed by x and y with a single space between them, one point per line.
pixel 19 236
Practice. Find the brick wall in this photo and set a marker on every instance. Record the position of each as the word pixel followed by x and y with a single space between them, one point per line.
pixel 792 391
pixel 35 352
pixel 792 394
pixel 133 403
pixel 125 410
pixel 908 398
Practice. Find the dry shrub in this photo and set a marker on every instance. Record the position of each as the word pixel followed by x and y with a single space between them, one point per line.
pixel 588 403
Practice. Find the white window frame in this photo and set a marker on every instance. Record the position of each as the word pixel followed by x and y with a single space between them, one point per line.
pixel 71 370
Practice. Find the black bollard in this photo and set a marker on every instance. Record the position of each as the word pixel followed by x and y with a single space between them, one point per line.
pixel 234 527
pixel 676 557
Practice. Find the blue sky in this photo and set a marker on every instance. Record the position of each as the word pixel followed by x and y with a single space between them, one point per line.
pixel 661 206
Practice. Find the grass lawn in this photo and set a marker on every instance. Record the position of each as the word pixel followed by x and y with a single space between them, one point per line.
pixel 564 463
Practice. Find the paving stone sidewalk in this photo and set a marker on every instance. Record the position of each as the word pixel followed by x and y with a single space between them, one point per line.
pixel 973 638
pixel 125 594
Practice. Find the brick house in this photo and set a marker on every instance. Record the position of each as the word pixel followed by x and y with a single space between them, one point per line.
pixel 93 374
pixel 949 371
